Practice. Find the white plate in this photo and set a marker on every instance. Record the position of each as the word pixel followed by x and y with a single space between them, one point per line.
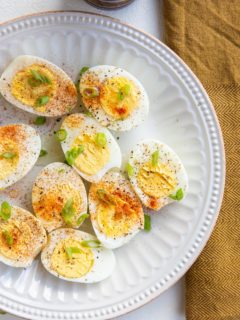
pixel 181 115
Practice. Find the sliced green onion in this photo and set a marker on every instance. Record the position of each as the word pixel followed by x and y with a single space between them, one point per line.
pixel 40 121
pixel 124 91
pixel 178 196
pixel 101 139
pixel 147 222
pixel 5 211
pixel 43 153
pixel 8 155
pixel 155 158
pixel 41 101
pixel 91 92
pixel 61 170
pixel 82 218
pixel 130 170
pixel 91 243
pixel 68 211
pixel 61 135
pixel 83 70
pixel 72 154
pixel 71 250
pixel 88 113
pixel 40 77
pixel 104 196
pixel 8 237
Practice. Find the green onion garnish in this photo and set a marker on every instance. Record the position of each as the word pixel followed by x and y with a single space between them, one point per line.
pixel 101 139
pixel 40 121
pixel 72 154
pixel 61 135
pixel 130 170
pixel 40 77
pixel 68 211
pixel 155 157
pixel 8 155
pixel 147 222
pixel 90 92
pixel 8 237
pixel 43 153
pixel 61 170
pixel 41 101
pixel 71 250
pixel 104 196
pixel 83 70
pixel 178 196
pixel 5 211
pixel 91 243
pixel 124 91
pixel 82 218
pixel 88 113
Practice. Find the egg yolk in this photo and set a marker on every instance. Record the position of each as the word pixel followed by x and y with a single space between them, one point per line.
pixel 9 157
pixel 93 158
pixel 118 216
pixel 156 181
pixel 28 87
pixel 75 266
pixel 51 203
pixel 21 235
pixel 119 97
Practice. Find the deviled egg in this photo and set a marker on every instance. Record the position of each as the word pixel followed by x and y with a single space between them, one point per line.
pixel 59 197
pixel 114 96
pixel 38 86
pixel 22 236
pixel 19 150
pixel 115 210
pixel 156 174
pixel 88 147
pixel 77 256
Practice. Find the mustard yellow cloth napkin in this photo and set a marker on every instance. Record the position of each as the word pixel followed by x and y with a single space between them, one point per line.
pixel 206 35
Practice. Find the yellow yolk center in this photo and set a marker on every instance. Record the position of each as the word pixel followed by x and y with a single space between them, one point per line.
pixel 119 97
pixel 28 89
pixel 93 158
pixel 9 157
pixel 118 218
pixel 156 181
pixel 71 267
pixel 21 235
pixel 51 203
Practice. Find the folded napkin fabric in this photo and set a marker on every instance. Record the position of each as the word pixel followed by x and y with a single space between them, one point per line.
pixel 206 35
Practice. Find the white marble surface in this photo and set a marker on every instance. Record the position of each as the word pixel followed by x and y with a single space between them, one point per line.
pixel 146 15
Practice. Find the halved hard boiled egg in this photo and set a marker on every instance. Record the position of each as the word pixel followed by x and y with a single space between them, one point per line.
pixel 114 96
pixel 22 236
pixel 156 174
pixel 88 147
pixel 59 197
pixel 77 256
pixel 19 150
pixel 116 212
pixel 38 86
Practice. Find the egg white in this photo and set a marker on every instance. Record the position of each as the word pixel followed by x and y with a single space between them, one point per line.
pixel 38 240
pixel 29 145
pixel 104 259
pixel 141 154
pixel 20 63
pixel 87 125
pixel 104 72
pixel 58 173
pixel 117 178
